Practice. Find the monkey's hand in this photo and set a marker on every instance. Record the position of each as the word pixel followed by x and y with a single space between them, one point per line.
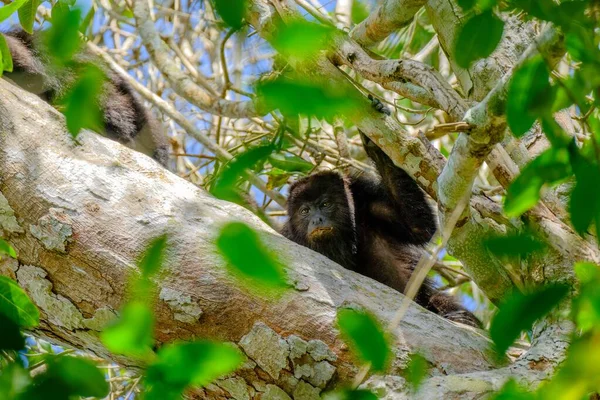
pixel 379 106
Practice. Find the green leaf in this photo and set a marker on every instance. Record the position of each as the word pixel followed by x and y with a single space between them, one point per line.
pixel 224 187
pixel 529 95
pixel 350 394
pixel 80 104
pixel 466 4
pixel 587 272
pixel 513 391
pixel 248 259
pixel 89 17
pixel 62 39
pixel 514 244
pixel 8 10
pixel 132 335
pixel 290 162
pixel 416 370
pixel 15 304
pixel 586 306
pixel 14 379
pixel 27 14
pixel 298 96
pixel 6 63
pixel 584 204
pixel 365 337
pixel 10 335
pixel 232 11
pixel 7 249
pixel 360 12
pixel 59 10
pixel 520 311
pixel 179 365
pixel 153 257
pixel 478 38
pixel 302 39
pixel 66 377
pixel 551 166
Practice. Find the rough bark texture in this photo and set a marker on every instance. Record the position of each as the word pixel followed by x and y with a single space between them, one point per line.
pixel 80 215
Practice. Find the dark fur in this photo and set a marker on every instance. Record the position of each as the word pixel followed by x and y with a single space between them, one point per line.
pixel 126 120
pixel 382 238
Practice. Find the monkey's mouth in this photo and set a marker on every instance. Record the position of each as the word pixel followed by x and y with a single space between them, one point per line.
pixel 321 232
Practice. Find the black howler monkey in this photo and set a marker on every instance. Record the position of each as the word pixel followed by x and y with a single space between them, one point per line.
pixel 376 227
pixel 126 120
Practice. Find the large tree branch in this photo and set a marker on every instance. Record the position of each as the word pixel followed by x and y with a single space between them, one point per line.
pixel 80 215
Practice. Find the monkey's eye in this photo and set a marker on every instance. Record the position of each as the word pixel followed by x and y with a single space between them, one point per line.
pixel 304 210
pixel 325 204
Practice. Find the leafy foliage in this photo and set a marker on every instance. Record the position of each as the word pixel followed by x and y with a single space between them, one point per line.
pixel 27 14
pixel 6 63
pixel 364 335
pixel 416 370
pixel 7 249
pixel 232 11
pixel 515 244
pixel 520 311
pixel 132 335
pixel 302 39
pixel 16 306
pixel 478 38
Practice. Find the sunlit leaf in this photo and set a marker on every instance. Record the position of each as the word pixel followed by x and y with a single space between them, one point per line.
pixel 416 370
pixel 513 391
pixel 10 335
pixel 586 306
pixel 514 244
pixel 232 11
pixel 62 38
pixel 66 377
pixel 529 93
pixel 520 311
pixel 550 167
pixel 277 178
pixel 132 335
pixel 302 39
pixel 80 104
pixel 247 257
pixel 89 17
pixel 9 9
pixel 6 63
pixel 294 96
pixel 15 304
pixel 27 14
pixel 153 257
pixel 14 379
pixel 7 249
pixel 584 204
pixel 180 365
pixel 360 12
pixel 478 38
pixel 290 162
pixel 224 187
pixel 365 337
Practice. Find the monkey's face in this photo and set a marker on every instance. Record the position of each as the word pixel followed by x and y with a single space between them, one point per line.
pixel 319 209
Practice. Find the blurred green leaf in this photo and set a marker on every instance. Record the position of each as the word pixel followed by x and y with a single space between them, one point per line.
pixel 277 178
pixel 14 379
pixel 520 311
pixel 350 394
pixel 231 11
pixel 153 257
pixel 27 14
pixel 9 9
pixel 290 162
pixel 587 272
pixel 514 244
pixel 466 4
pixel 66 377
pixel 132 335
pixel 7 249
pixel 59 10
pixel 295 96
pixel 224 187
pixel 15 304
pixel 365 337
pixel 513 391
pixel 552 166
pixel 10 335
pixel 247 257
pixel 6 63
pixel 62 39
pixel 478 38
pixel 586 306
pixel 180 365
pixel 360 12
pixel 302 39
pixel 416 370
pixel 80 105
pixel 529 94
pixel 584 204
pixel 581 45
pixel 89 17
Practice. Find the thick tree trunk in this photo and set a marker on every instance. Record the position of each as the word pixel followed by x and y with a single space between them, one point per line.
pixel 79 216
